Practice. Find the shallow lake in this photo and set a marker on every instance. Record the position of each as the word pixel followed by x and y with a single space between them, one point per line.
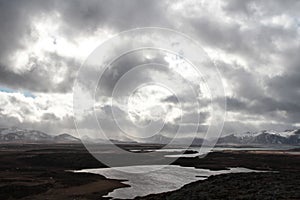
pixel 160 179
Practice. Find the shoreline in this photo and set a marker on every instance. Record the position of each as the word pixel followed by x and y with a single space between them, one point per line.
pixel 281 179
pixel 264 185
pixel 35 172
pixel 43 172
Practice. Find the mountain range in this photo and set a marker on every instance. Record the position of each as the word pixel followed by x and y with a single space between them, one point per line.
pixel 288 137
pixel 265 137
pixel 16 135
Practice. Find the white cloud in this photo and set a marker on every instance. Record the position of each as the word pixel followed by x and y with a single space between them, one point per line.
pixel 255 44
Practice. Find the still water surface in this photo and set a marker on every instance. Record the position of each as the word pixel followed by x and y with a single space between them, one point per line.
pixel 159 180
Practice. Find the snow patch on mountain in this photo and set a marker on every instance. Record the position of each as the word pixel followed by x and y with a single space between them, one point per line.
pixel 288 137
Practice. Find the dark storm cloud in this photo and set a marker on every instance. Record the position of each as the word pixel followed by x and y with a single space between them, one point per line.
pixel 41 77
pixel 268 7
pixel 117 15
pixel 235 104
pixel 274 99
pixel 15 23
pixel 234 38
pixel 50 117
pixel 266 107
pixel 171 99
pixel 250 34
pixel 286 86
pixel 245 83
pixel 125 65
pixel 77 18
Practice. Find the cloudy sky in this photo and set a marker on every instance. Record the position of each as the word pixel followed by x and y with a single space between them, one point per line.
pixel 254 44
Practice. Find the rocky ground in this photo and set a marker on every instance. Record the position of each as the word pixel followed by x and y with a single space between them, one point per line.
pixel 282 185
pixel 281 181
pixel 41 172
pixel 32 172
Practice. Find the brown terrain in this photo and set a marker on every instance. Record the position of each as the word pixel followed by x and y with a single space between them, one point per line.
pixel 44 172
pixel 280 181
pixel 41 172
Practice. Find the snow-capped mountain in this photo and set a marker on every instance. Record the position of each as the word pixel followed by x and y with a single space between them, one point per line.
pixel 16 135
pixel 288 137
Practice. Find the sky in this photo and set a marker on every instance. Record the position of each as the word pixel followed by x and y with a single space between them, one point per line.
pixel 254 44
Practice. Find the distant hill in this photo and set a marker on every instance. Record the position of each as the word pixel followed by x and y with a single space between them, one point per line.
pixel 16 135
pixel 66 138
pixel 160 139
pixel 288 137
